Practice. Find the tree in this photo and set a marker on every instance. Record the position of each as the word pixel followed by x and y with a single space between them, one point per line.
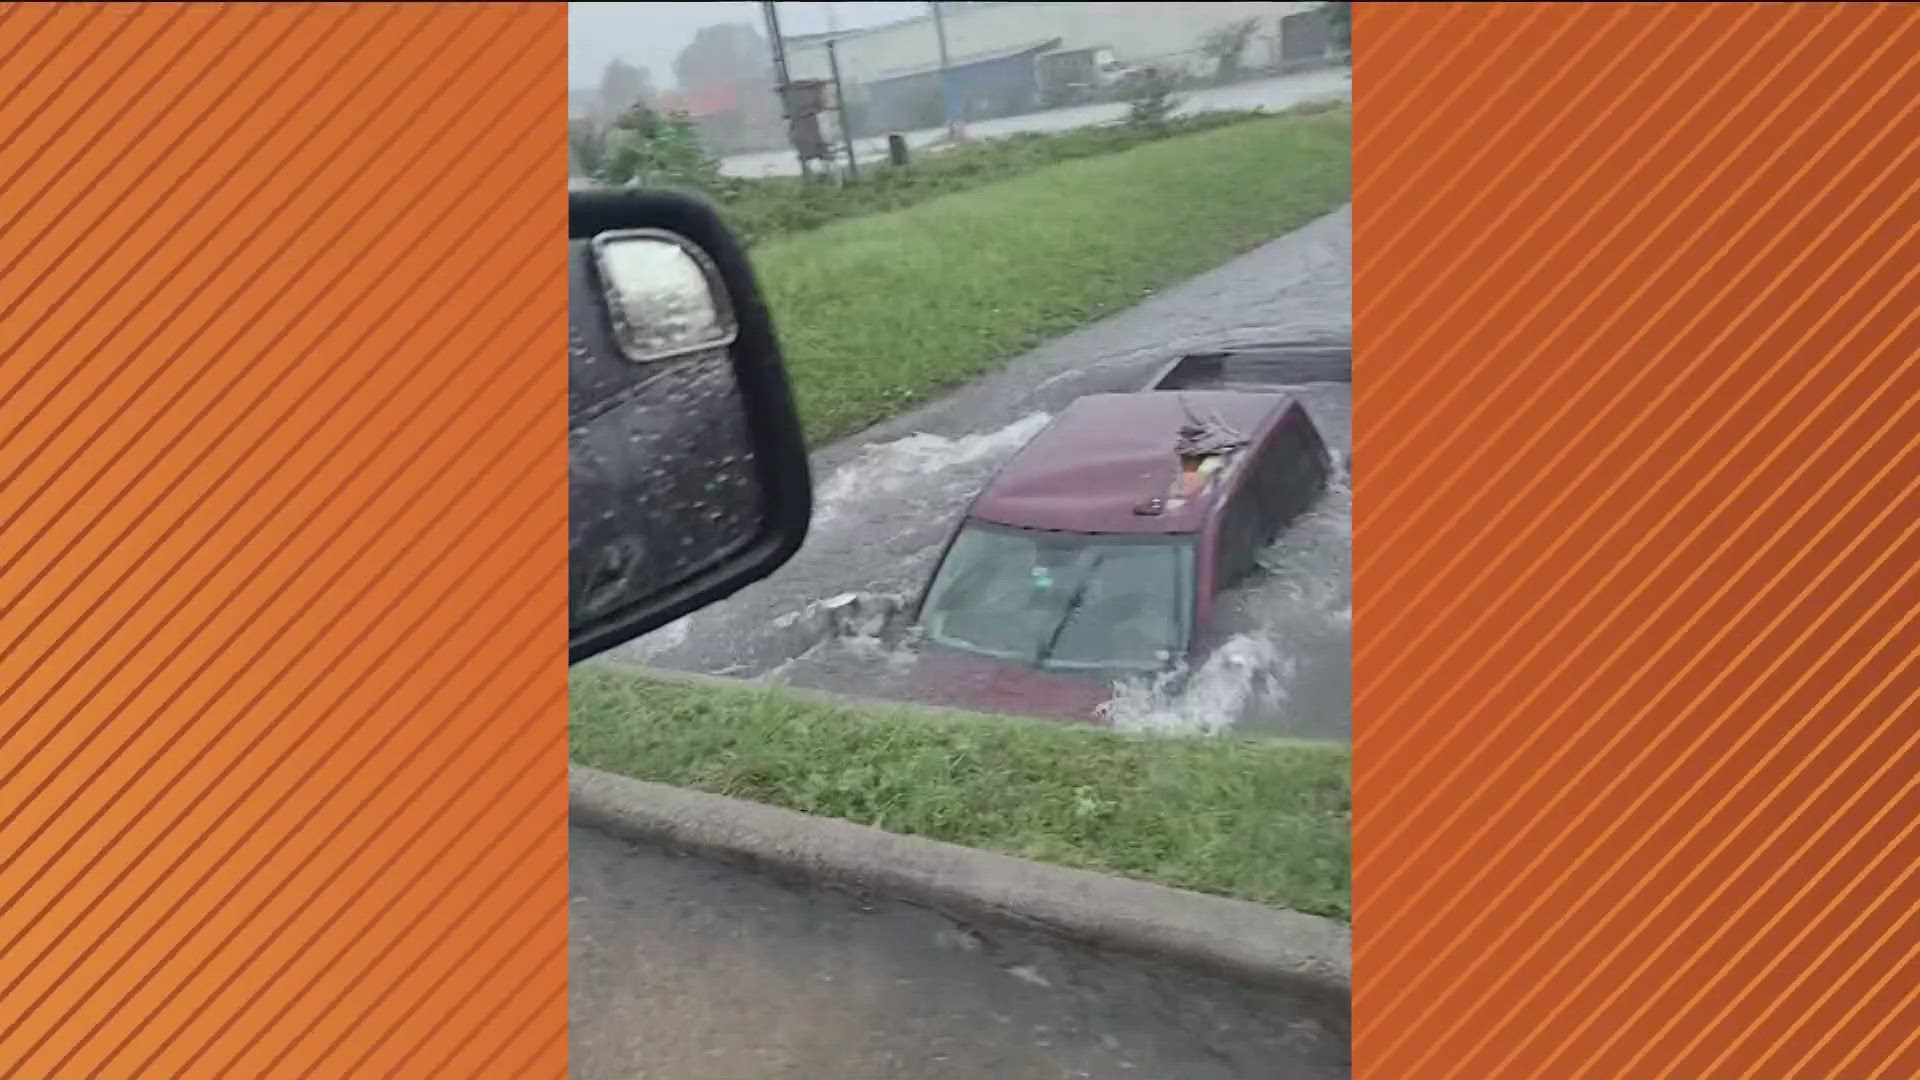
pixel 1150 99
pixel 588 142
pixel 721 55
pixel 1224 44
pixel 622 86
pixel 1340 22
pixel 650 146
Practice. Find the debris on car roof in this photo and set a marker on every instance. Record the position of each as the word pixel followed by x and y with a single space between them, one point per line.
pixel 1101 463
pixel 1205 436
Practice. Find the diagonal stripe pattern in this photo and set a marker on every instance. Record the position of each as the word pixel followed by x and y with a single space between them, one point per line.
pixel 1638 312
pixel 282 705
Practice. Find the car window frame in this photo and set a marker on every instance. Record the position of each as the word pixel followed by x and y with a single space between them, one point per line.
pixel 1196 573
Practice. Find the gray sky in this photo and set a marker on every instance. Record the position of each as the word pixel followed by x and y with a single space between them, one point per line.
pixel 651 34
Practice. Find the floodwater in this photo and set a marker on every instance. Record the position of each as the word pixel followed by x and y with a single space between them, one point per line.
pixel 886 500
pixel 1285 665
pixel 1279 92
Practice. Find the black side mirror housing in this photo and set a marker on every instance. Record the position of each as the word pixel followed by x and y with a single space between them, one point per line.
pixel 688 475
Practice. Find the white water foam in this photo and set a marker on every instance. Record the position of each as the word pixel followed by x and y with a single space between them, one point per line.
pixel 862 626
pixel 886 469
pixel 866 621
pixel 1212 700
pixel 1303 594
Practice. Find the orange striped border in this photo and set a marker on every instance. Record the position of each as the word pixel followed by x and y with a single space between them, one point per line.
pixel 282 540
pixel 1636 748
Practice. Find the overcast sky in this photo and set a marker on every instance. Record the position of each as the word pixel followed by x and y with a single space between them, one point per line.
pixel 651 34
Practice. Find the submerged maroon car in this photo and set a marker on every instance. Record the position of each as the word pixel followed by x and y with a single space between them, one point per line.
pixel 1099 550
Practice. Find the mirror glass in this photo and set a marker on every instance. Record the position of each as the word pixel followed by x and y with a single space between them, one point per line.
pixel 663 480
pixel 663 294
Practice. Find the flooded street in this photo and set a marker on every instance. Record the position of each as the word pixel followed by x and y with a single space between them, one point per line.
pixel 886 501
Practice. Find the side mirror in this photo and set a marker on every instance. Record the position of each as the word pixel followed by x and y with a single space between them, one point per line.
pixel 687 472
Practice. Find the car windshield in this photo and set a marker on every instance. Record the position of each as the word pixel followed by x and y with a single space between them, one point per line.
pixel 1063 601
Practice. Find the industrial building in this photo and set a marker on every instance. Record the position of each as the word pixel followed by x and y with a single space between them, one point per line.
pixel 1008 58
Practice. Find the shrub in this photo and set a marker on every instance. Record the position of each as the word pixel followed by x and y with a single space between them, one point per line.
pixel 1150 99
pixel 647 146
pixel 1224 45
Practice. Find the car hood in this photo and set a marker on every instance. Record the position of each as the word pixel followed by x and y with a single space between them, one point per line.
pixel 982 684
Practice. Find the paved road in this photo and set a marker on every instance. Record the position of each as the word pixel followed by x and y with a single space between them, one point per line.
pixel 1279 92
pixel 683 969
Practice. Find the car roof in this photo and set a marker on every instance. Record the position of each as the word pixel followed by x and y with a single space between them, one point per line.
pixel 1106 454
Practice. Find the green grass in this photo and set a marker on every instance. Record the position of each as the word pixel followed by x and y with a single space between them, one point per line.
pixel 879 313
pixel 762 208
pixel 1263 820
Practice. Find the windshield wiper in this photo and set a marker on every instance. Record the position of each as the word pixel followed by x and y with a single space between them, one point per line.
pixel 1074 601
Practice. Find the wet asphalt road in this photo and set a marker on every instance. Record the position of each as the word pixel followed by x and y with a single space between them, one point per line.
pixel 887 498
pixel 682 969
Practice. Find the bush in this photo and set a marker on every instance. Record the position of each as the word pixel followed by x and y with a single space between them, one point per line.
pixel 1150 99
pixel 589 146
pixel 647 146
pixel 1224 45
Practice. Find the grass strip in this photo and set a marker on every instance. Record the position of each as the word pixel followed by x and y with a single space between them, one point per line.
pixel 1258 819
pixel 879 313
pixel 761 208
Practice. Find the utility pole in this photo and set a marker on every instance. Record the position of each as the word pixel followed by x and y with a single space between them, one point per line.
pixel 779 46
pixel 840 110
pixel 946 78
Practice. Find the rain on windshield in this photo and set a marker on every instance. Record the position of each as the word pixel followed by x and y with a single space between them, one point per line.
pixel 1063 601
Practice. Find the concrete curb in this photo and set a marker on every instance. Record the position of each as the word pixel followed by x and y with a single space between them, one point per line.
pixel 1232 938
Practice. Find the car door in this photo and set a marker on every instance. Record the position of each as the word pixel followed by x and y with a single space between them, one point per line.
pixel 1285 474
pixel 1240 536
pixel 1290 472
